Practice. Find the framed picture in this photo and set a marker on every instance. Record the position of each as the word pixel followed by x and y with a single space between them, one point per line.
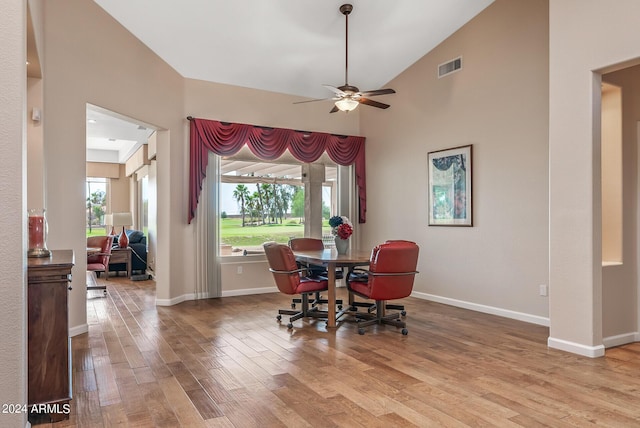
pixel 450 187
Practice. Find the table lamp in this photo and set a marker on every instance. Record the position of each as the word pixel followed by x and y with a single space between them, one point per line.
pixel 108 224
pixel 122 219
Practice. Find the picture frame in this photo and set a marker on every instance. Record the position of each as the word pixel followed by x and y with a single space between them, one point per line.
pixel 449 184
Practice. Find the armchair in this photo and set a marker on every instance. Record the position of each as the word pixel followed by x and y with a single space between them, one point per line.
pixel 390 276
pixel 99 262
pixel 289 280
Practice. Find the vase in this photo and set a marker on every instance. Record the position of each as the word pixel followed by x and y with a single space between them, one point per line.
pixel 38 234
pixel 342 245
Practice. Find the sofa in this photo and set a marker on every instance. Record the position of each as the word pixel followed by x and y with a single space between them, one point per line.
pixel 138 245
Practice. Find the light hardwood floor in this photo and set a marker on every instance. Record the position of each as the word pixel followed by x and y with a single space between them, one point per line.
pixel 228 363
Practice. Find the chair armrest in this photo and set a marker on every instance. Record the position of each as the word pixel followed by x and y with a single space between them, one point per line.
pixel 393 273
pixel 288 272
pixel 358 275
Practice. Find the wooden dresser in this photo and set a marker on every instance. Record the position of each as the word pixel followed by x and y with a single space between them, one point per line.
pixel 49 345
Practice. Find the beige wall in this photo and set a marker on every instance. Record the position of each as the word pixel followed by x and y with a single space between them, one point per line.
pixel 620 283
pixel 497 103
pixel 13 218
pixel 129 79
pixel 89 58
pixel 600 35
pixel 611 171
pixel 35 160
pixel 120 194
pixel 235 104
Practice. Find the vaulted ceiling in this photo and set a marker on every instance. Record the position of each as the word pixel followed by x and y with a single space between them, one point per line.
pixel 292 46
pixel 286 46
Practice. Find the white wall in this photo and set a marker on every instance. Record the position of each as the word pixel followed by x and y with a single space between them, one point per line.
pixel 13 218
pixel 498 103
pixel 584 35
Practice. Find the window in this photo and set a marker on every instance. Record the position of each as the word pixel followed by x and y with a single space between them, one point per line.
pixel 261 202
pixel 143 204
pixel 96 192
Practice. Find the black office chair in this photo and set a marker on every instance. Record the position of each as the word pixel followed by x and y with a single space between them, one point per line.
pixel 314 271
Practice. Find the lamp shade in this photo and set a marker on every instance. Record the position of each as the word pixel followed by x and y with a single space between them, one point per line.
pixel 347 104
pixel 122 219
pixel 108 223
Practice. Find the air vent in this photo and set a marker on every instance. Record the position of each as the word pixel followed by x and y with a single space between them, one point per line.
pixel 449 67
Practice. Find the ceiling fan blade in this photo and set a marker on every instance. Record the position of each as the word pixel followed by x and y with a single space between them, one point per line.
pixel 372 103
pixel 377 92
pixel 335 90
pixel 311 101
pixel 334 109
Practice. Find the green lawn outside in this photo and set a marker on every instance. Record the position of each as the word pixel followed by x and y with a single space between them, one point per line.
pixel 96 231
pixel 232 232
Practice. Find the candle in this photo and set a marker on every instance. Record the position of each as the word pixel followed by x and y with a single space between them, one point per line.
pixel 36 231
pixel 37 234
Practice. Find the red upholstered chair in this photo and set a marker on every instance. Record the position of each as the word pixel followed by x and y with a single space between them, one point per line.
pixel 99 261
pixel 290 280
pixel 390 276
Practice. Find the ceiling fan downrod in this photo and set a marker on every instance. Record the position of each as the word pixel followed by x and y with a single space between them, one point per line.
pixel 346 9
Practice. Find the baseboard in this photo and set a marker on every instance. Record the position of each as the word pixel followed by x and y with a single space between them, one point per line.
pixel 621 339
pixel 183 298
pixel 248 291
pixel 576 348
pixel 79 329
pixel 506 313
pixel 227 293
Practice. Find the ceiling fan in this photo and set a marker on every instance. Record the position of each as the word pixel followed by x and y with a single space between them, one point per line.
pixel 347 97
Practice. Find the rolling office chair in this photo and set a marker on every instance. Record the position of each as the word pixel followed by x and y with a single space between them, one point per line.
pixel 312 244
pixel 390 276
pixel 289 280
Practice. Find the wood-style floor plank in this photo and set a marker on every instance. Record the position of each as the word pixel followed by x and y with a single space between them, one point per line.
pixel 228 363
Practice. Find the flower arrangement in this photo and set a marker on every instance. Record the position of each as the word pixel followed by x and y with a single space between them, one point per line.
pixel 341 226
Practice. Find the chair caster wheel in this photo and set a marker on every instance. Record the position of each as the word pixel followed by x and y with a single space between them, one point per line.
pixel 403 313
pixel 339 307
pixel 361 331
pixel 293 306
pixel 290 326
pixel 279 317
pixel 353 308
pixel 405 331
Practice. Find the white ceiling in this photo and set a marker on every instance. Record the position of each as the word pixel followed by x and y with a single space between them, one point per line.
pixel 111 137
pixel 286 46
pixel 292 46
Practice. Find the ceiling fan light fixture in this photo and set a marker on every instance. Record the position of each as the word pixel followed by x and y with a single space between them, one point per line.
pixel 346 104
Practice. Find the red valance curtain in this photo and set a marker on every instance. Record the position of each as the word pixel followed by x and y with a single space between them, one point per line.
pixel 226 139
